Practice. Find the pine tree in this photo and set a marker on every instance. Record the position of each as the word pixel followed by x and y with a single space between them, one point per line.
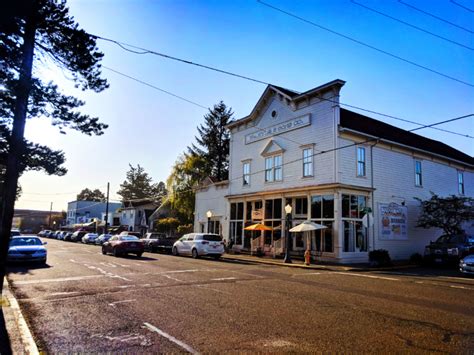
pixel 139 185
pixel 213 141
pixel 32 33
pixel 91 195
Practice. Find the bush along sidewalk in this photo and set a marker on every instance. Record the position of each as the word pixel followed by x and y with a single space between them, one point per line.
pixel 380 258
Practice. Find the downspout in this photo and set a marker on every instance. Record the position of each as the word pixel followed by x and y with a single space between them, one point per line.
pixel 372 192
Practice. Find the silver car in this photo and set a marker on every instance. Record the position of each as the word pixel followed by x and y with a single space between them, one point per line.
pixel 26 248
pixel 90 238
pixel 199 244
pixel 466 265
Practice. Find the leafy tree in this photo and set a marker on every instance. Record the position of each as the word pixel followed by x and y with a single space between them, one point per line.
pixel 213 141
pixel 34 33
pixel 186 173
pixel 89 195
pixel 446 213
pixel 139 185
pixel 166 225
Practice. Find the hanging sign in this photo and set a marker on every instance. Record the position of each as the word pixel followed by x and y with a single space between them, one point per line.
pixel 392 221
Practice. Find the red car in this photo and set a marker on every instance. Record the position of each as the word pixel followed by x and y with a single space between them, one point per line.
pixel 123 245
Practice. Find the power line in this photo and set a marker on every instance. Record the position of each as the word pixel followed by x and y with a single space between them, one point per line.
pixel 461 6
pixel 410 25
pixel 434 124
pixel 366 44
pixel 55 193
pixel 322 98
pixel 434 16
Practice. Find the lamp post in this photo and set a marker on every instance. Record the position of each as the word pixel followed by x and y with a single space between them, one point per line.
pixel 209 215
pixel 288 210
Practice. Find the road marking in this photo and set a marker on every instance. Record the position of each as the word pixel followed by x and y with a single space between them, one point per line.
pixel 106 273
pixel 124 301
pixel 108 264
pixel 368 276
pixel 64 293
pixel 224 278
pixel 61 279
pixel 170 338
pixel 213 289
pixel 172 278
pixel 461 287
pixel 182 271
pixel 309 273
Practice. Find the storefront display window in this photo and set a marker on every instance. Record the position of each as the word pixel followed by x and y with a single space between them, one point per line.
pixel 355 236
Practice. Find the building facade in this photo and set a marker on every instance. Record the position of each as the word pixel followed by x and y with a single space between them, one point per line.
pixel 79 212
pixel 356 175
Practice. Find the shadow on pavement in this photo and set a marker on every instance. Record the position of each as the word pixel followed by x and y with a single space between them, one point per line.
pixel 431 271
pixel 144 258
pixel 24 269
pixel 4 339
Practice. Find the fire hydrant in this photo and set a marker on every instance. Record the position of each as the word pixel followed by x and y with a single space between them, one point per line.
pixel 307 257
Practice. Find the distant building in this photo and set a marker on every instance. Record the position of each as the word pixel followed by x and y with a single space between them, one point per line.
pixel 33 221
pixel 135 214
pixel 79 212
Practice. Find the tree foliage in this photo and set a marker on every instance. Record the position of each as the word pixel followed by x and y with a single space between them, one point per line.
pixel 139 185
pixel 91 195
pixel 213 141
pixel 186 173
pixel 446 213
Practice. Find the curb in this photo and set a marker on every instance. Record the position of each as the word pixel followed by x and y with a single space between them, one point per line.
pixel 318 267
pixel 26 338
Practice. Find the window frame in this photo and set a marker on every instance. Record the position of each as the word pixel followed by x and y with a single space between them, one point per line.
pixel 418 174
pixel 246 173
pixel 308 162
pixel 461 187
pixel 274 172
pixel 361 162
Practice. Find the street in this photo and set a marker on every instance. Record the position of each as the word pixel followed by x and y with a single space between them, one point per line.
pixel 84 301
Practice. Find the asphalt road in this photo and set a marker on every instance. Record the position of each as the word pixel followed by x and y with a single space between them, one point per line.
pixel 87 302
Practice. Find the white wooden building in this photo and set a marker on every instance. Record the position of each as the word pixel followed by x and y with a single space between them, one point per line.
pixel 334 167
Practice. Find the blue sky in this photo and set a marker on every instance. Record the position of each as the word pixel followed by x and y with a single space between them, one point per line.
pixel 150 128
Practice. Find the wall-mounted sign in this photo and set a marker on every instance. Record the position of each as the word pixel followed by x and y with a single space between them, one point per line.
pixel 279 128
pixel 257 215
pixel 392 221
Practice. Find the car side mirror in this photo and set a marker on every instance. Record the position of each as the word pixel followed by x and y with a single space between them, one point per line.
pixel 44 243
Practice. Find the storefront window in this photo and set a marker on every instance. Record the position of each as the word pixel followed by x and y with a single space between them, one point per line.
pixel 353 210
pixel 273 219
pixel 301 206
pixel 236 222
pixel 322 212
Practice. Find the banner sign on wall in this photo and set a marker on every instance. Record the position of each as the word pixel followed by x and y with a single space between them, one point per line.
pixel 392 221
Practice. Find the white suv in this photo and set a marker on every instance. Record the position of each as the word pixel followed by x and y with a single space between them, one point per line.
pixel 199 244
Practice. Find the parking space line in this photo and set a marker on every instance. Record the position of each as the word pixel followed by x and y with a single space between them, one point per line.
pixel 112 304
pixel 224 278
pixel 170 338
pixel 60 279
pixel 367 276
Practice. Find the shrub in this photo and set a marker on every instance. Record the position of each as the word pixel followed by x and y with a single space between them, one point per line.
pixel 380 257
pixel 185 228
pixel 416 259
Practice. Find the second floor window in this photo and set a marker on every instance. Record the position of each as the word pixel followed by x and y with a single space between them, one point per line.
pixel 360 161
pixel 246 174
pixel 307 162
pixel 418 173
pixel 273 168
pixel 461 182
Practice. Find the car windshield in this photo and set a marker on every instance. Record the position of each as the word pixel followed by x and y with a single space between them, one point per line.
pixel 15 233
pixel 212 237
pixel 128 237
pixel 443 239
pixel 25 241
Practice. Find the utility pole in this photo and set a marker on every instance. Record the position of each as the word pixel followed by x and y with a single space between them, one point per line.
pixel 50 214
pixel 107 210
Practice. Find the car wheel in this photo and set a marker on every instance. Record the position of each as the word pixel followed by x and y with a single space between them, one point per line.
pixel 139 255
pixel 116 252
pixel 104 252
pixel 195 254
pixel 174 251
pixel 217 257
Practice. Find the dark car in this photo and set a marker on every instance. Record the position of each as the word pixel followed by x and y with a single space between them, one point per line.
pixel 77 236
pixel 67 236
pixel 15 233
pixel 449 248
pixel 27 248
pixel 122 245
pixel 154 242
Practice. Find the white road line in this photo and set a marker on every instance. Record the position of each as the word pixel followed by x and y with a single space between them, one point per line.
pixel 224 278
pixel 170 338
pixel 64 293
pixel 124 301
pixel 368 276
pixel 309 273
pixel 461 287
pixel 172 278
pixel 213 289
pixel 456 278
pixel 183 271
pixel 61 279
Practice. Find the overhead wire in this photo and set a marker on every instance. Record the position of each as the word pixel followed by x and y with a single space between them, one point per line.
pixel 312 23
pixel 411 25
pixel 434 16
pixel 461 6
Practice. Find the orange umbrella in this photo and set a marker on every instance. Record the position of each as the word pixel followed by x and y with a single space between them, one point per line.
pixel 258 227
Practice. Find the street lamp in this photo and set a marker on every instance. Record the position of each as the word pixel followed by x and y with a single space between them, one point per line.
pixel 209 215
pixel 288 210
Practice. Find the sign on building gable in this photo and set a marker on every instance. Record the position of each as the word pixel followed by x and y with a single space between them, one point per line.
pixel 280 128
pixel 392 221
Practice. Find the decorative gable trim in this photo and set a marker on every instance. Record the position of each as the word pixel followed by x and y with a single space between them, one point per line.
pixel 272 148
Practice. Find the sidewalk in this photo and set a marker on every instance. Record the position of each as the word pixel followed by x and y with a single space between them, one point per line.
pixel 15 336
pixel 298 263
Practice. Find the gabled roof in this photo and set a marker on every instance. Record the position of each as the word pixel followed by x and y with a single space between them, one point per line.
pixel 369 126
pixel 272 147
pixel 291 95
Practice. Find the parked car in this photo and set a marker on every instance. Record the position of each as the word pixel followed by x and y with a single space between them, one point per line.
pixel 199 244
pixel 466 265
pixel 449 248
pixel 61 235
pixel 135 234
pixel 154 242
pixel 15 233
pixel 77 236
pixel 103 238
pixel 67 236
pixel 89 238
pixel 122 245
pixel 26 248
pixel 45 233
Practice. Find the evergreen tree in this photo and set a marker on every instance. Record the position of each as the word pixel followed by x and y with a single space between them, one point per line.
pixel 89 195
pixel 213 142
pixel 32 33
pixel 139 185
